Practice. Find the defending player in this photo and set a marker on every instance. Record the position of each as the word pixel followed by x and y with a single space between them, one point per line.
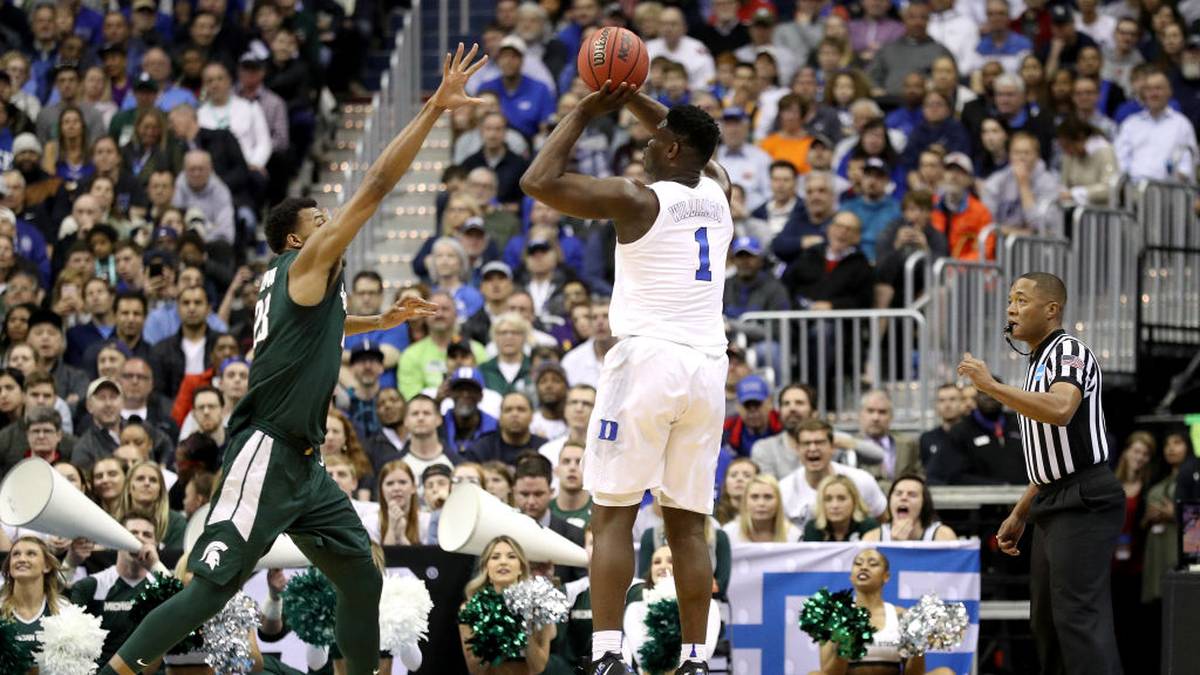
pixel 273 481
pixel 661 395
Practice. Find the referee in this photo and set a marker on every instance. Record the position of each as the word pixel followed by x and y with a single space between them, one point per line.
pixel 1074 501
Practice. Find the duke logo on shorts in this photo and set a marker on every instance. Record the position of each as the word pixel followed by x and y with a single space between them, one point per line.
pixel 660 400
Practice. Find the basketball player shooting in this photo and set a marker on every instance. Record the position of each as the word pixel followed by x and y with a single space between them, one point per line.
pixel 661 395
pixel 272 478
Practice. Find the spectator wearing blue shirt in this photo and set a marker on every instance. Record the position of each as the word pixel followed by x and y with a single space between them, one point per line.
pixel 907 117
pixel 164 320
pixel 998 41
pixel 465 422
pixel 544 214
pixel 157 63
pixel 449 268
pixel 525 102
pixel 584 14
pixel 45 50
pixel 753 288
pixel 937 127
pixel 875 208
pixel 27 240
pixel 366 299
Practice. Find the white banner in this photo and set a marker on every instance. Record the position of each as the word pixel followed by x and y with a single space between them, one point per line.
pixel 770 583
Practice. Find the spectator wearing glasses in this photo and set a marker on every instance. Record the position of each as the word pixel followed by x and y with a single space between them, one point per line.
pixel 510 369
pixel 577 412
pixel 814 441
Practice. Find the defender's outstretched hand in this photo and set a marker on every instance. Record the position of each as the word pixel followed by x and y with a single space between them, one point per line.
pixel 456 70
pixel 607 99
pixel 406 308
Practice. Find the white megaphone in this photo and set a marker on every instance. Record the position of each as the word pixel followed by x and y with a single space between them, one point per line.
pixel 472 517
pixel 36 496
pixel 283 554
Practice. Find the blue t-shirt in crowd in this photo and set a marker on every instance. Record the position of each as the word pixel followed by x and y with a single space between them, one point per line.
pixel 530 104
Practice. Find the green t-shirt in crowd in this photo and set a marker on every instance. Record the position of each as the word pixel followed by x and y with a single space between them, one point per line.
pixel 109 596
pixel 579 517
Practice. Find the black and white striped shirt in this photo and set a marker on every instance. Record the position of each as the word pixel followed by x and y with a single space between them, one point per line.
pixel 1053 452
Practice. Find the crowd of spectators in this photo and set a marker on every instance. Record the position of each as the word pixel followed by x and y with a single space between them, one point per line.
pixel 139 149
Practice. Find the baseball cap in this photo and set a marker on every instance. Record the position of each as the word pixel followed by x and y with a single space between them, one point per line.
pixel 495 266
pixel 145 4
pixel 734 112
pixel 256 55
pixel 473 223
pixel 876 164
pixel 537 245
pixel 42 316
pixel 26 142
pixel 514 43
pixel 436 470
pixel 466 375
pixel 365 350
pixel 165 257
pixel 62 66
pixel 959 160
pixel 823 140
pixel 1061 14
pixel 762 16
pixel 165 233
pixel 145 83
pixel 749 245
pixel 102 382
pixel 753 388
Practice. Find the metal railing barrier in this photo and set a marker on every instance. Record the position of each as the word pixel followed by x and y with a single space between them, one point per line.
pixel 843 354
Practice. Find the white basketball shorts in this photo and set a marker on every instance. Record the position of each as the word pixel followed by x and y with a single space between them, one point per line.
pixel 657 425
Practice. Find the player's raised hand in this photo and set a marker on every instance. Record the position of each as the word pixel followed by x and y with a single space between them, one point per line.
pixel 456 70
pixel 404 309
pixel 607 99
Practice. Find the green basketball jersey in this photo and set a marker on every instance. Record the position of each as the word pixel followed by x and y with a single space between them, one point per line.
pixel 297 356
pixel 26 631
pixel 106 595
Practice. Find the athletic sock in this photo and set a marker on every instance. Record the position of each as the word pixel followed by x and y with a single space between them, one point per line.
pixel 690 651
pixel 605 641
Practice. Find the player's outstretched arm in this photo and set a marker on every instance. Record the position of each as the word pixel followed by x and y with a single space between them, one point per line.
pixel 548 181
pixel 651 113
pixel 404 309
pixel 327 244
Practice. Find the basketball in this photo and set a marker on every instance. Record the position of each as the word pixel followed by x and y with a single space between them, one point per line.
pixel 615 54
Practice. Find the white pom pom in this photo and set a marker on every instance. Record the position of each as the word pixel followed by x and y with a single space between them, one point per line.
pixel 316 657
pixel 410 656
pixel 404 607
pixel 71 642
pixel 664 589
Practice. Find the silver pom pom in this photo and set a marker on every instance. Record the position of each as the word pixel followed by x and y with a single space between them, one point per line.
pixel 538 602
pixel 932 625
pixel 226 636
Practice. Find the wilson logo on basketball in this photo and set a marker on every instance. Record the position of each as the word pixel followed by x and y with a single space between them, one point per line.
pixel 599 47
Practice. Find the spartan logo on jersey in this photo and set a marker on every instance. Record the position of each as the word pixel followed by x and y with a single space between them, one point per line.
pixel 212 554
pixel 608 430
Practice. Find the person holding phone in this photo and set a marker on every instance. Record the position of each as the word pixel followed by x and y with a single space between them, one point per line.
pixel 911 233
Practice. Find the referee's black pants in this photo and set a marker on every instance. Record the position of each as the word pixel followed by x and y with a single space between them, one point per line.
pixel 1076 524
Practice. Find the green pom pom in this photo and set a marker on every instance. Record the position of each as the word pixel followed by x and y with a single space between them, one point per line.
pixel 16 656
pixel 499 635
pixel 660 653
pixel 309 603
pixel 834 617
pixel 154 592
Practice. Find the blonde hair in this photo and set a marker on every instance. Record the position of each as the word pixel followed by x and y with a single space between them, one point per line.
pixel 728 506
pixel 412 529
pixel 160 510
pixel 510 319
pixel 1126 474
pixel 51 583
pixel 481 575
pixel 820 520
pixel 780 524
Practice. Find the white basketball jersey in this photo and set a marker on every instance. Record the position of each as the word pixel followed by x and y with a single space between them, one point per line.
pixel 671 282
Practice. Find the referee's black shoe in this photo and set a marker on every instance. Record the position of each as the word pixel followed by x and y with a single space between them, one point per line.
pixel 610 664
pixel 693 668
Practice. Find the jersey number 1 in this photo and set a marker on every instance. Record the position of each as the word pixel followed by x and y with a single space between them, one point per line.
pixel 703 273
